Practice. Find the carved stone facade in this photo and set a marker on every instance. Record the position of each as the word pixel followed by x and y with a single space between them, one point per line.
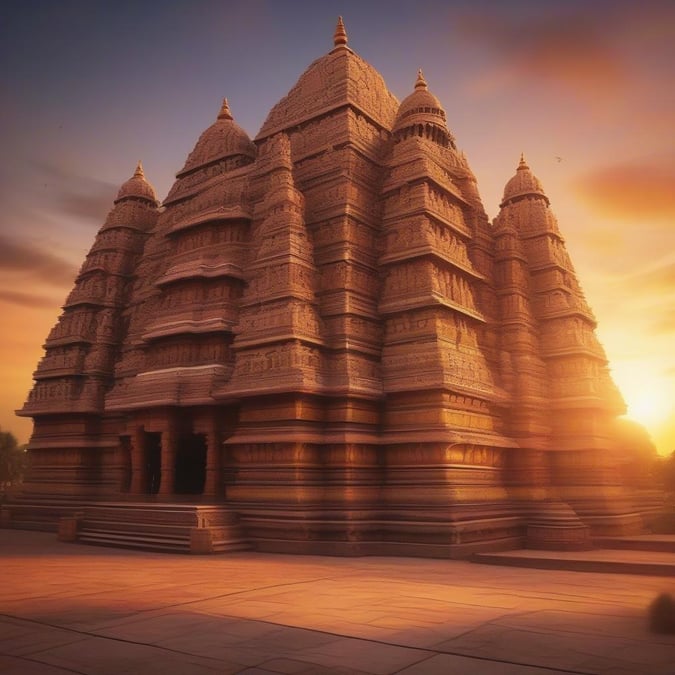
pixel 322 329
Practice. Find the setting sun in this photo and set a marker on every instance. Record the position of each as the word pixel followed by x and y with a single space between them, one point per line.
pixel 648 407
pixel 648 395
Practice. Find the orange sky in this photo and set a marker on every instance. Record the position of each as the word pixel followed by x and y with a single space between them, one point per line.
pixel 586 92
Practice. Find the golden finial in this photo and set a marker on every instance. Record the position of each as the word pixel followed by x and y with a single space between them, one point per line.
pixel 421 83
pixel 225 113
pixel 340 36
pixel 523 163
pixel 139 170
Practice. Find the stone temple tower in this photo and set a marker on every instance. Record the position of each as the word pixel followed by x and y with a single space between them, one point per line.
pixel 322 334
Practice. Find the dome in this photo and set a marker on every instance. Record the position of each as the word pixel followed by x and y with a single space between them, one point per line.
pixel 421 107
pixel 524 183
pixel 137 187
pixel 224 138
pixel 338 79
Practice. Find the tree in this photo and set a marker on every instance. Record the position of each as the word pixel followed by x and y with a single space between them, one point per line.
pixel 13 460
pixel 668 472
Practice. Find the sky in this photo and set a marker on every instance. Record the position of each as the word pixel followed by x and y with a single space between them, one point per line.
pixel 586 90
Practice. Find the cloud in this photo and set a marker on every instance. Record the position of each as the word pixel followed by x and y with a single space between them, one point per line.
pixel 601 239
pixel 664 323
pixel 642 191
pixel 92 206
pixel 76 195
pixel 648 290
pixel 32 300
pixel 602 52
pixel 33 259
pixel 573 50
pixel 659 277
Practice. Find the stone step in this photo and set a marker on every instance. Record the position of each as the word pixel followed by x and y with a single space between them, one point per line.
pixel 28 523
pixel 612 561
pixel 181 528
pixel 189 515
pixel 231 545
pixel 645 542
pixel 94 523
pixel 122 536
pixel 147 543
pixel 157 542
pixel 89 524
pixel 41 516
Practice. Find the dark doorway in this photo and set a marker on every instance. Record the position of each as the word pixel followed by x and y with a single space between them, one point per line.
pixel 191 464
pixel 125 463
pixel 153 461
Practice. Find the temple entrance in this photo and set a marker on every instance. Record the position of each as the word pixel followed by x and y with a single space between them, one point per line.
pixel 153 461
pixel 125 463
pixel 190 465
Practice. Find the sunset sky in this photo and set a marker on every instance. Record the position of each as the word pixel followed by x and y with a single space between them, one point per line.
pixel 585 89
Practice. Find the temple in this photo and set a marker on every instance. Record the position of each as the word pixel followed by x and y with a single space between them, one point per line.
pixel 321 337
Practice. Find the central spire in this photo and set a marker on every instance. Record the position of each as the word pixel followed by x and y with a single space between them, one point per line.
pixel 340 36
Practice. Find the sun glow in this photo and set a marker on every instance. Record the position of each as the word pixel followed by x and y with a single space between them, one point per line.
pixel 648 406
pixel 648 393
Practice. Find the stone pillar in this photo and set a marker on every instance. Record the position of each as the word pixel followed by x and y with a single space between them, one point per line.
pixel 168 469
pixel 213 465
pixel 138 469
pixel 68 526
pixel 201 540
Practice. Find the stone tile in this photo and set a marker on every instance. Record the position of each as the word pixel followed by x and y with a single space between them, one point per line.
pixel 24 638
pixel 561 621
pixel 164 627
pixel 16 665
pixel 446 664
pixel 295 639
pixel 110 657
pixel 535 647
pixel 291 667
pixel 659 657
pixel 219 647
pixel 371 657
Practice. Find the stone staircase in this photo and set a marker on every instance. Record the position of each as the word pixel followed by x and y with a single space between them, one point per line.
pixel 176 528
pixel 645 554
pixel 37 514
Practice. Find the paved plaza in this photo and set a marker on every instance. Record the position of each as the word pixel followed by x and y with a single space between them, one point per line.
pixel 71 608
